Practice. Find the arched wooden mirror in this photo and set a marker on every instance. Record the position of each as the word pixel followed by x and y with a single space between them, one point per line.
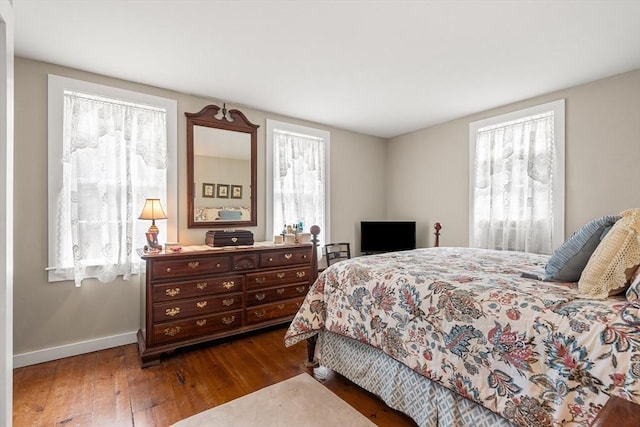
pixel 221 169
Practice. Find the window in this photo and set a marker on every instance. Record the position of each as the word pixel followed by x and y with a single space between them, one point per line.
pixel 109 150
pixel 297 177
pixel 517 180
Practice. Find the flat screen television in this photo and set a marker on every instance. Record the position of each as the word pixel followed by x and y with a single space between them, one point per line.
pixel 387 236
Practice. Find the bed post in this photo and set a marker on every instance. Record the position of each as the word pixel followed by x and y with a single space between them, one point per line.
pixel 311 342
pixel 437 226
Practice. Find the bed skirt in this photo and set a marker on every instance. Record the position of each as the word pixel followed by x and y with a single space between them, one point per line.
pixel 427 403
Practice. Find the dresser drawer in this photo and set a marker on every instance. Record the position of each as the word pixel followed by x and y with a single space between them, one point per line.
pixel 183 329
pixel 279 277
pixel 189 267
pixel 179 309
pixel 273 311
pixel 197 288
pixel 285 257
pixel 265 296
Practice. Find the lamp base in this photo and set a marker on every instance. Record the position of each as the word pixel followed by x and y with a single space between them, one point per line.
pixel 152 240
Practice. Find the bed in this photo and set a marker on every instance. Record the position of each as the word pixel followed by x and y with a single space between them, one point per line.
pixel 232 213
pixel 460 336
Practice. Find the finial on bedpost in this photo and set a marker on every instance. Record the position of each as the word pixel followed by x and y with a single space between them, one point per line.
pixel 437 226
pixel 315 230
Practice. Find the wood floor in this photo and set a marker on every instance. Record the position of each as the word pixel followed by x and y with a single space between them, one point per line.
pixel 108 388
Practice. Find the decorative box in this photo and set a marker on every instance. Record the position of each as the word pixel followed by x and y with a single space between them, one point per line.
pixel 229 237
pixel 172 247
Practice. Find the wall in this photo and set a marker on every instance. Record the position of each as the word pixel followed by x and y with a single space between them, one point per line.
pixel 57 319
pixel 6 211
pixel 428 170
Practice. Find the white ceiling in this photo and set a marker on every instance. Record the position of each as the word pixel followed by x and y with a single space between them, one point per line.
pixel 378 67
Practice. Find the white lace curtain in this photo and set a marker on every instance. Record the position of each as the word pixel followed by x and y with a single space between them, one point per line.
pixel 512 195
pixel 298 181
pixel 114 157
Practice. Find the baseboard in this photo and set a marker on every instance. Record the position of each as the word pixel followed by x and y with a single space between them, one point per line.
pixel 53 353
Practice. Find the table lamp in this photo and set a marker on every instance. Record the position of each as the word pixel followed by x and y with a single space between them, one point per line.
pixel 152 210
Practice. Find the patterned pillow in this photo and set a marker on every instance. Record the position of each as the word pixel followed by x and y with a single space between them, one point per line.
pixel 568 261
pixel 614 259
pixel 633 293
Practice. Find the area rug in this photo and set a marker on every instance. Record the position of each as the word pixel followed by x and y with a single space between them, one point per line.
pixel 298 401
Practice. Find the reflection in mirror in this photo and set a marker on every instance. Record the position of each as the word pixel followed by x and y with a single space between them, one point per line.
pixel 222 171
pixel 221 167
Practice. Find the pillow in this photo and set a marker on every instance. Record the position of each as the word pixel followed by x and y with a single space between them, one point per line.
pixel 568 261
pixel 230 215
pixel 614 259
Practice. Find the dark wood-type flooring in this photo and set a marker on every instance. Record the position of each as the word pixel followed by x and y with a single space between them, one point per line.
pixel 108 388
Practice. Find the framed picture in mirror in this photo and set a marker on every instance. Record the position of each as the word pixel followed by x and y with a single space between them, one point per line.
pixel 223 191
pixel 236 191
pixel 208 190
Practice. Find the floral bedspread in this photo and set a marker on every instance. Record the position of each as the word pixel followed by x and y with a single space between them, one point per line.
pixel 532 351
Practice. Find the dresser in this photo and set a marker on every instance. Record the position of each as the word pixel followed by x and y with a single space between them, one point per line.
pixel 202 294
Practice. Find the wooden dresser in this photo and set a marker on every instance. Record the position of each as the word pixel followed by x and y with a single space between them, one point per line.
pixel 200 295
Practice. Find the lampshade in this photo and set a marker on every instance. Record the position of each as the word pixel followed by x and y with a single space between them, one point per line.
pixel 152 210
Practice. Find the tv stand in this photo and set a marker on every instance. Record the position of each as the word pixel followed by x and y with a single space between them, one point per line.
pixel 378 252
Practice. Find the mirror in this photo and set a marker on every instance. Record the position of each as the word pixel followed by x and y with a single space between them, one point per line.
pixel 221 169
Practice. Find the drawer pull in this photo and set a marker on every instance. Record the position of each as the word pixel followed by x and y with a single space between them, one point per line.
pixel 227 302
pixel 172 311
pixel 280 291
pixel 270 259
pixel 170 332
pixel 168 269
pixel 194 264
pixel 227 320
pixel 261 279
pixel 304 257
pixel 301 273
pixel 260 296
pixel 201 285
pixel 234 239
pixel 218 265
pixel 201 304
pixel 280 275
pixel 228 285
pixel 201 322
pixel 259 314
pixel 172 292
pixel 300 289
pixel 288 256
pixel 280 306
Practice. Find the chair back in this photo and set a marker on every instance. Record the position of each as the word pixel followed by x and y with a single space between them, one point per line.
pixel 335 252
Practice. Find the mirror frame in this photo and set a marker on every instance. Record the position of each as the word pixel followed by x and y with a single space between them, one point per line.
pixel 207 117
